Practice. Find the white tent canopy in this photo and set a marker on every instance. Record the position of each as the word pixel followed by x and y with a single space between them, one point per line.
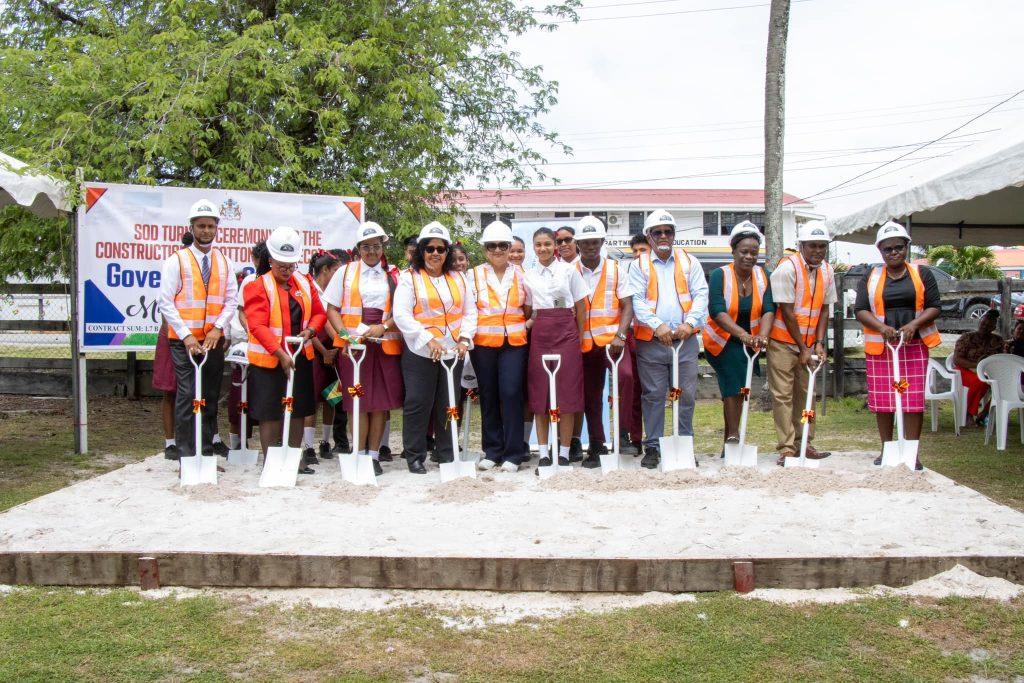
pixel 42 195
pixel 974 196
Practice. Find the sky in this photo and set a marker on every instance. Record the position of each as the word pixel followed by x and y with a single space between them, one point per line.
pixel 677 99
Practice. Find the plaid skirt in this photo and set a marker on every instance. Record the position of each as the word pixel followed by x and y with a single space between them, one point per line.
pixel 913 368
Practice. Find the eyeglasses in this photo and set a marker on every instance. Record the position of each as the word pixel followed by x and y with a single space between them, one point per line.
pixel 564 240
pixel 497 246
pixel 893 250
pixel 435 250
pixel 284 266
pixel 662 233
pixel 371 247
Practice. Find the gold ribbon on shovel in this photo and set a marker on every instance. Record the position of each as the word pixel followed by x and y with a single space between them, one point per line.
pixel 901 386
pixel 674 393
pixel 357 390
pixel 555 414
pixel 288 402
pixel 745 393
pixel 197 404
pixel 807 416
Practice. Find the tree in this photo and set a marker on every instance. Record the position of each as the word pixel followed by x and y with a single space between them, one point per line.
pixel 774 125
pixel 965 263
pixel 400 101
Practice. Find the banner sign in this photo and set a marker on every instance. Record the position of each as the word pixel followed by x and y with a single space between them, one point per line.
pixel 125 232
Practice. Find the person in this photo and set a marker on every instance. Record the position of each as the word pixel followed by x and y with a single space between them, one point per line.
pixel 322 267
pixel 461 258
pixel 559 294
pixel 803 287
pixel 359 299
pixel 164 382
pixel 1016 344
pixel 608 317
pixel 409 245
pixel 197 298
pixel 897 301
pixel 517 252
pixel 436 313
pixel 240 333
pixel 280 304
pixel 499 352
pixel 741 314
pixel 972 348
pixel 516 257
pixel 639 245
pixel 565 240
pixel 670 302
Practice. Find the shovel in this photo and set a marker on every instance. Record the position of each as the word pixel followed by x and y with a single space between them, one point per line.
pixel 807 419
pixel 613 461
pixel 676 451
pixel 470 384
pixel 357 466
pixel 457 467
pixel 243 455
pixel 281 466
pixel 554 468
pixel 197 468
pixel 900 451
pixel 740 454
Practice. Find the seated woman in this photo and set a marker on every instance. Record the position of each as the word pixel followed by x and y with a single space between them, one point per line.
pixel 972 348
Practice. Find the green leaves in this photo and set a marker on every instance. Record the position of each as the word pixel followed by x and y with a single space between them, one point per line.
pixel 965 263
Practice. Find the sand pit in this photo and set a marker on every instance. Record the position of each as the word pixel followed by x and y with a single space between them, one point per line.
pixel 465 490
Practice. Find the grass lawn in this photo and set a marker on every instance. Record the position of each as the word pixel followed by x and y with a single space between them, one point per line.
pixel 48 634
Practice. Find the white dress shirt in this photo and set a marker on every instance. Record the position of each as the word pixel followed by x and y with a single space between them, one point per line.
pixel 170 283
pixel 416 335
pixel 373 286
pixel 623 289
pixel 556 285
pixel 668 311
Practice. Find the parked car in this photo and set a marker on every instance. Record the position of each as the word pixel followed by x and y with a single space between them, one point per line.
pixel 1017 301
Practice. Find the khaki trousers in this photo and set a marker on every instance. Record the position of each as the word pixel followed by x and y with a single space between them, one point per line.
pixel 787 379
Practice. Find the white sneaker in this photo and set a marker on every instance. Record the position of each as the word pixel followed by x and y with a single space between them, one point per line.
pixel 485 464
pixel 509 466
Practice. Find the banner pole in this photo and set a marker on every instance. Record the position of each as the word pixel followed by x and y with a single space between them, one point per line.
pixel 78 368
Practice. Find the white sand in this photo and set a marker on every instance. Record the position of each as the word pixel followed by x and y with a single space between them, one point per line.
pixel 846 509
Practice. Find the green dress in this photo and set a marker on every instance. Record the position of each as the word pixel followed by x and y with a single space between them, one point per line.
pixel 731 364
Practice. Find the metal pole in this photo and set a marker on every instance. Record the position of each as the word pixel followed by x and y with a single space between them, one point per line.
pixel 1005 308
pixel 839 340
pixel 77 359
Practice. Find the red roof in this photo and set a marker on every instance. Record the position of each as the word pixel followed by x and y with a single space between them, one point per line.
pixel 1009 258
pixel 597 197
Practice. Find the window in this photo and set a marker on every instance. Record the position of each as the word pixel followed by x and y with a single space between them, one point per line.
pixel 711 223
pixel 562 214
pixel 487 218
pixel 636 222
pixel 718 223
pixel 603 215
pixel 507 218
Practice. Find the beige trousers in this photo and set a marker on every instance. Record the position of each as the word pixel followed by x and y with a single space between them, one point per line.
pixel 787 379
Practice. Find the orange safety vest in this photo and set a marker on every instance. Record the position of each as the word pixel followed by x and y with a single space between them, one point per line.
pixel 808 300
pixel 257 354
pixel 874 344
pixel 495 321
pixel 200 305
pixel 352 310
pixel 429 310
pixel 642 332
pixel 603 315
pixel 714 335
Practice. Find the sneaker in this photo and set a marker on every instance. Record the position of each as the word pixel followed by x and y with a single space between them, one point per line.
pixel 575 450
pixel 485 464
pixel 220 448
pixel 325 450
pixel 377 469
pixel 171 452
pixel 509 466
pixel 385 454
pixel 310 457
pixel 652 456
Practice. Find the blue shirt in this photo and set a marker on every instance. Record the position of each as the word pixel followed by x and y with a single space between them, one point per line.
pixel 668 310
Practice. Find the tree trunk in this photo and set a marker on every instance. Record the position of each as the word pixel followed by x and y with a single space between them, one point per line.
pixel 774 126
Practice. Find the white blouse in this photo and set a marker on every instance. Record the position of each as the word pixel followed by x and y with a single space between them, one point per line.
pixel 373 286
pixel 416 335
pixel 557 285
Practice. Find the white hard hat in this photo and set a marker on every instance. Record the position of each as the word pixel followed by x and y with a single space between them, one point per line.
pixel 590 228
pixel 204 208
pixel 496 231
pixel 238 354
pixel 658 217
pixel 369 230
pixel 889 230
pixel 435 230
pixel 813 231
pixel 285 245
pixel 747 229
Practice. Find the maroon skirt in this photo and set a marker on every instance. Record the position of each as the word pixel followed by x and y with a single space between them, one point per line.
pixel 380 374
pixel 554 331
pixel 163 366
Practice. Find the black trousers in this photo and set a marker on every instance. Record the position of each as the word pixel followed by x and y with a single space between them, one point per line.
pixel 339 428
pixel 426 395
pixel 500 373
pixel 184 417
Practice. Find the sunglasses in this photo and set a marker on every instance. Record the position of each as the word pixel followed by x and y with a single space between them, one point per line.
pixel 497 246
pixel 893 250
pixel 435 250
pixel 564 240
pixel 662 233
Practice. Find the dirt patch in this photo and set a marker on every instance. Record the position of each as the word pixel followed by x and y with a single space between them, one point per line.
pixel 210 493
pixel 466 490
pixel 349 494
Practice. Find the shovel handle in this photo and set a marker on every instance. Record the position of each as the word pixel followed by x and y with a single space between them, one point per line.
pixel 298 341
pixel 192 358
pixel 614 359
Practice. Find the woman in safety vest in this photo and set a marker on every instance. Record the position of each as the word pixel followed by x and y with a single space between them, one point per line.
pixel 280 304
pixel 897 300
pixel 359 306
pixel 741 314
pixel 500 350
pixel 436 313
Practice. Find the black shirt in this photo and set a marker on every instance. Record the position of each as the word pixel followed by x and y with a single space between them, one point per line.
pixel 898 297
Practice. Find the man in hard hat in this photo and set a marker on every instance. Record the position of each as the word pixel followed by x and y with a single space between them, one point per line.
pixel 198 299
pixel 803 287
pixel 670 303
pixel 609 306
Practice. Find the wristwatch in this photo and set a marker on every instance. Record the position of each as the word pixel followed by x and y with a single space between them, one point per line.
pixel 621 336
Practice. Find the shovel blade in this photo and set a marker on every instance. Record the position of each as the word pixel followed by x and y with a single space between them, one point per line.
pixel 676 453
pixel 281 467
pixel 454 470
pixel 548 471
pixel 198 469
pixel 243 456
pixel 357 468
pixel 895 453
pixel 609 462
pixel 740 457
pixel 797 461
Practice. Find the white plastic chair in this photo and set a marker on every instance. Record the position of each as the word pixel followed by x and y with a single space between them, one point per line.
pixel 1003 373
pixel 932 392
pixel 959 390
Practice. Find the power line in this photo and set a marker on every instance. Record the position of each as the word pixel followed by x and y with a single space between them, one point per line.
pixel 664 14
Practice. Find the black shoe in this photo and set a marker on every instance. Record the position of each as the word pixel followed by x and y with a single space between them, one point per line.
pixel 918 466
pixel 575 450
pixel 592 460
pixel 385 454
pixel 307 470
pixel 543 462
pixel 434 457
pixel 597 448
pixel 416 467
pixel 310 456
pixel 377 469
pixel 171 452
pixel 325 450
pixel 220 448
pixel 341 447
pixel 878 461
pixel 627 447
pixel 563 462
pixel 652 456
pixel 431 443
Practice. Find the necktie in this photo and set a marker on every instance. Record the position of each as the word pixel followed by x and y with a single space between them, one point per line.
pixel 206 269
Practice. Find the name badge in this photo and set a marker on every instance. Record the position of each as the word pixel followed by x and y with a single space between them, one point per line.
pixel 559 302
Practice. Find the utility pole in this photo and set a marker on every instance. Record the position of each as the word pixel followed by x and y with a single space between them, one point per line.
pixel 774 127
